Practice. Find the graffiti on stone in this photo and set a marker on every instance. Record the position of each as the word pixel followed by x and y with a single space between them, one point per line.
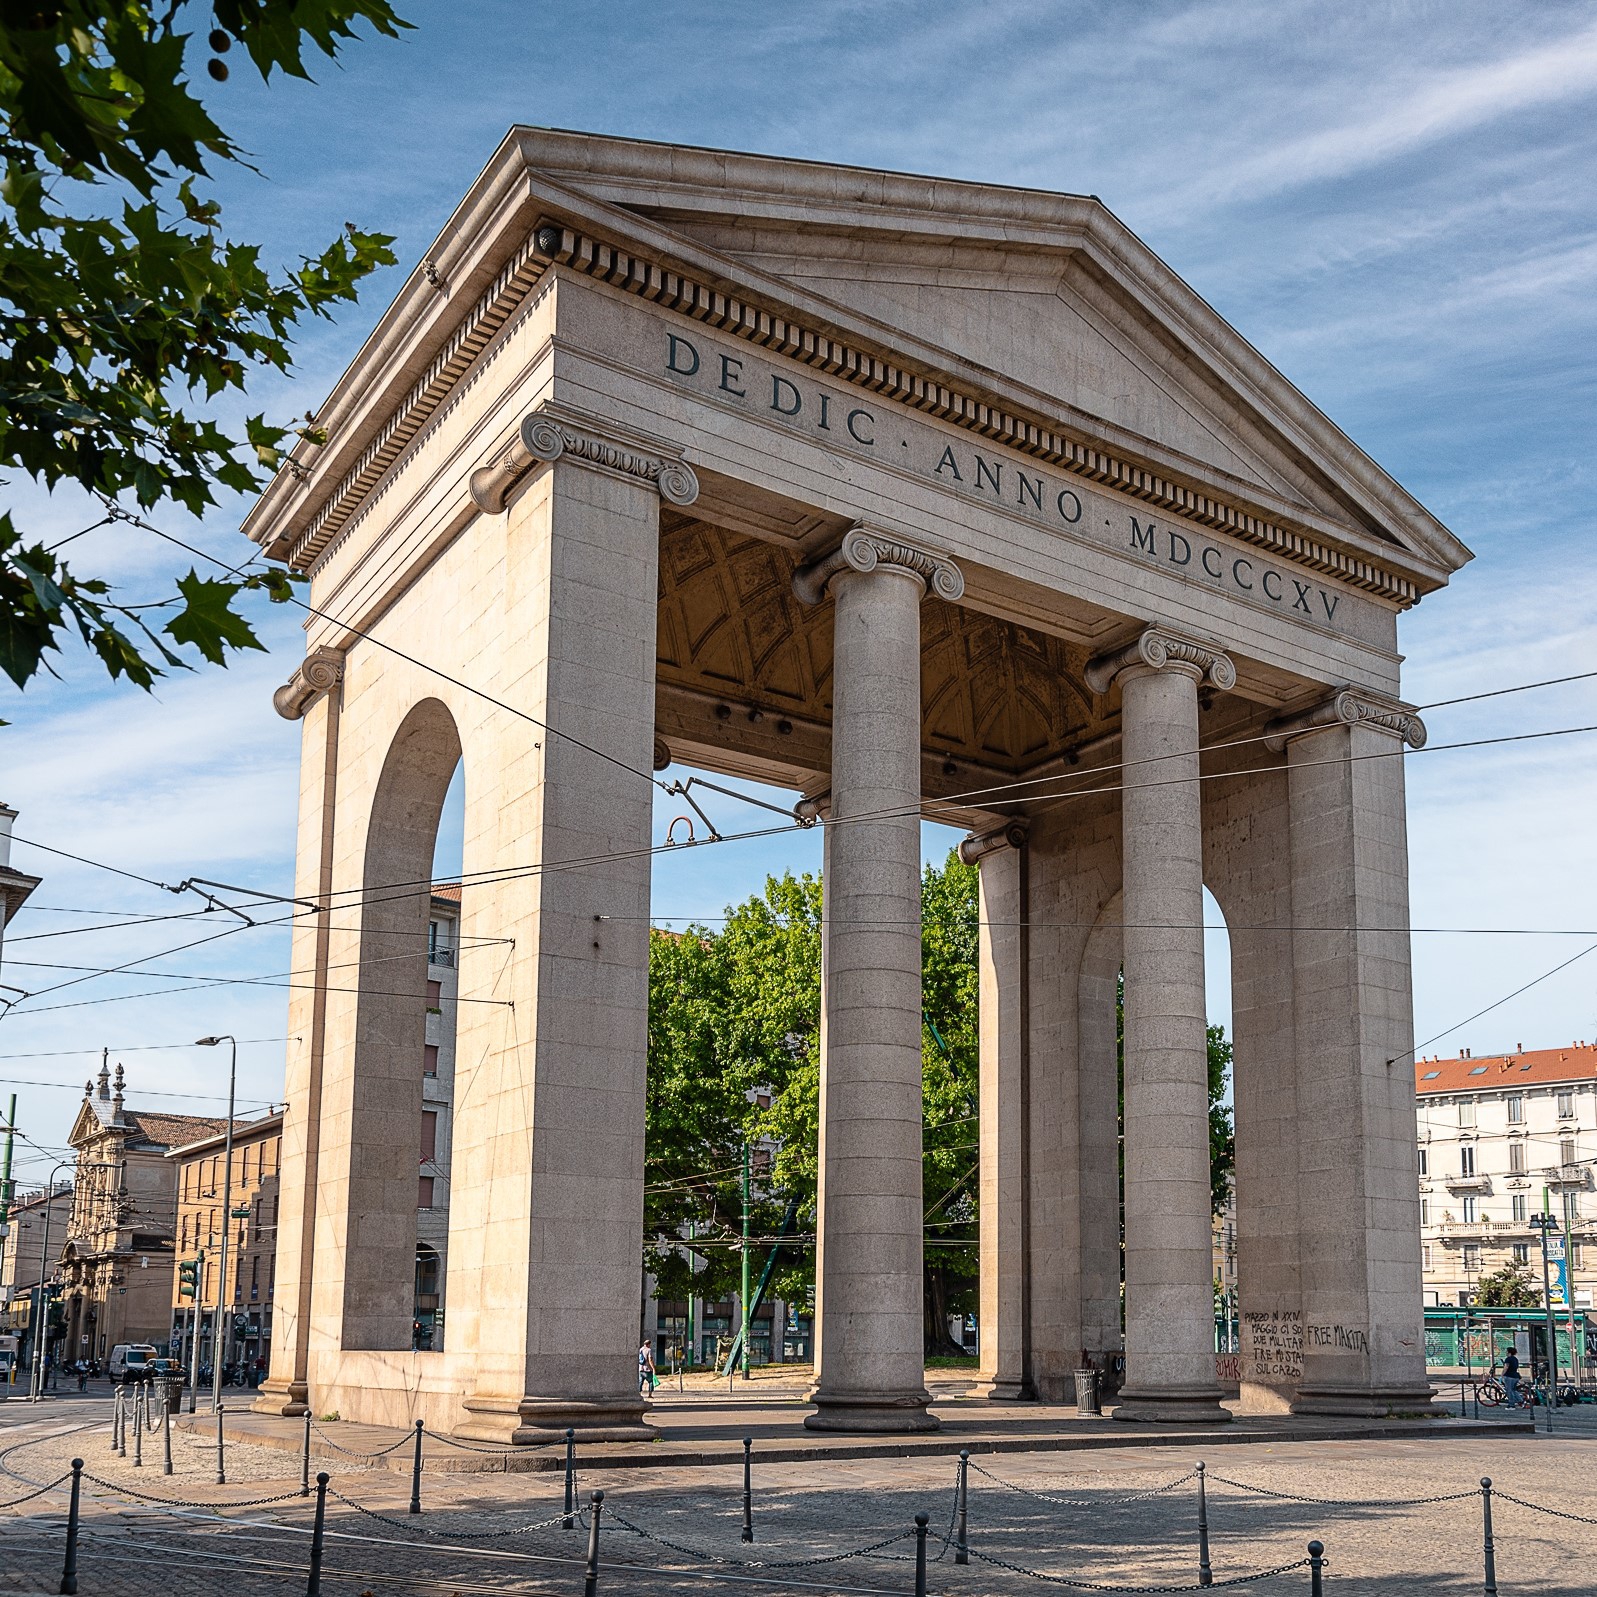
pixel 1273 1344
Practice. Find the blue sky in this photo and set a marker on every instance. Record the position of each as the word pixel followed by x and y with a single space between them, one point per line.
pixel 1393 202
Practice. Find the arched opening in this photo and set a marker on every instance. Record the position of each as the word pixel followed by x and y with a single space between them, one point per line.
pixel 392 1170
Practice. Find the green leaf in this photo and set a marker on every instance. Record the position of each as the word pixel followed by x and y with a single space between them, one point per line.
pixel 208 621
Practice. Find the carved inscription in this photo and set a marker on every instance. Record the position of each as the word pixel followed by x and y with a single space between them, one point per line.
pixel 1274 1344
pixel 1019 487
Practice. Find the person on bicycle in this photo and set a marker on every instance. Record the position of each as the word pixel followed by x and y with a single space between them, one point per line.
pixel 1511 1377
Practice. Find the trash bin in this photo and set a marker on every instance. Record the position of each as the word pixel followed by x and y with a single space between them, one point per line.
pixel 1087 1392
pixel 168 1389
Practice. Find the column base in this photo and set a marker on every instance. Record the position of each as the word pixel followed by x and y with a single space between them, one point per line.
pixel 529 1421
pixel 1004 1391
pixel 290 1398
pixel 1172 1405
pixel 871 1411
pixel 1369 1402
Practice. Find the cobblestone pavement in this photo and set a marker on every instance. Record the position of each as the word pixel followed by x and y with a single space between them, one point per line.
pixel 808 1512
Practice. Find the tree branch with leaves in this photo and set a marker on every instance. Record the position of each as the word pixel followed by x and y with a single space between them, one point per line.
pixel 126 313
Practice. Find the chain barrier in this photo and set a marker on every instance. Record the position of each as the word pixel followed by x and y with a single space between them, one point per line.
pixel 350 1452
pixel 411 1528
pixel 1343 1502
pixel 1086 1502
pixel 1539 1508
pixel 755 1563
pixel 183 1502
pixel 1099 1585
pixel 49 1486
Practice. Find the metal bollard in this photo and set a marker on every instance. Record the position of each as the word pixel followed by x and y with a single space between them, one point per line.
pixel 221 1457
pixel 1461 1397
pixel 748 1489
pixel 138 1426
pixel 305 1460
pixel 122 1435
pixel 590 1579
pixel 1490 1549
pixel 571 1481
pixel 921 1521
pixel 166 1436
pixel 116 1419
pixel 962 1501
pixel 1205 1573
pixel 415 1474
pixel 1316 1569
pixel 69 1570
pixel 313 1587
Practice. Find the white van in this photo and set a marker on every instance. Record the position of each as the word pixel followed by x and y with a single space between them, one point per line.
pixel 128 1360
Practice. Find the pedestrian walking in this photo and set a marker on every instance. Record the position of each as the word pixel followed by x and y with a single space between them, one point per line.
pixel 645 1370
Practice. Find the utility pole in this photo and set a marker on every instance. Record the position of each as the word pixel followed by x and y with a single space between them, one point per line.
pixel 194 1313
pixel 745 1258
pixel 5 1177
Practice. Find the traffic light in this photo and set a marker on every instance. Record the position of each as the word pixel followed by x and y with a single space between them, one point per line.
pixel 188 1278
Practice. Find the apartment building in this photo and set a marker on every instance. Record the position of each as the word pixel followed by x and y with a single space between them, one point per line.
pixel 437 1108
pixel 242 1303
pixel 1504 1137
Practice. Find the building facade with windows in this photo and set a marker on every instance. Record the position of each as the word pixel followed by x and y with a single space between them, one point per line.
pixel 244 1300
pixel 27 1256
pixel 437 1099
pixel 116 1263
pixel 1503 1138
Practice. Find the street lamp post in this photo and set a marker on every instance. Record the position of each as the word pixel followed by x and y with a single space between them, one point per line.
pixel 1546 1224
pixel 227 1214
pixel 36 1384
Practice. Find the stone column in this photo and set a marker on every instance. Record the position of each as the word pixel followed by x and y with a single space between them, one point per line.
pixel 313 695
pixel 545 1243
pixel 1358 1191
pixel 999 856
pixel 1169 1257
pixel 869 1286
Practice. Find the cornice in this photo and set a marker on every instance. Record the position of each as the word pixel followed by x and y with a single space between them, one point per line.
pixel 1158 649
pixel 1348 707
pixel 865 549
pixel 555 432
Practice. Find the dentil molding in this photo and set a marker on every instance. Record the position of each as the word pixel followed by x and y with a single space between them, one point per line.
pixel 1347 707
pixel 1156 650
pixel 555 432
pixel 864 549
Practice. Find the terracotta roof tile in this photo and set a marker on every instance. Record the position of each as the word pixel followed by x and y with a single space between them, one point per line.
pixel 171 1131
pixel 1534 1067
pixel 448 890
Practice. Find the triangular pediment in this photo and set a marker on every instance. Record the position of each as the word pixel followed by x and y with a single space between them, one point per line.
pixel 1048 294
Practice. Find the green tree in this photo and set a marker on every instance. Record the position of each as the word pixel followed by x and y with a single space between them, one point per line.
pixel 738 1012
pixel 126 314
pixel 1222 1135
pixel 1512 1287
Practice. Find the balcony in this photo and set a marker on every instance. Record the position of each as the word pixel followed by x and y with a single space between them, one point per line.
pixel 1568 1176
pixel 1467 1183
pixel 441 956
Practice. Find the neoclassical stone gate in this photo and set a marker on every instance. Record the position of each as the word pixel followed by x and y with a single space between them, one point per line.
pixel 921 498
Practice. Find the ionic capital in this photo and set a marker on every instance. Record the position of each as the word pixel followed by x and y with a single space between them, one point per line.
pixel 319 671
pixel 1347 707
pixel 1158 650
pixel 554 432
pixel 1012 834
pixel 866 549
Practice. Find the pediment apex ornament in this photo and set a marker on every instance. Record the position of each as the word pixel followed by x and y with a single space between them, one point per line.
pixel 320 670
pixel 864 549
pixel 1157 650
pixel 1011 834
pixel 1348 707
pixel 554 432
